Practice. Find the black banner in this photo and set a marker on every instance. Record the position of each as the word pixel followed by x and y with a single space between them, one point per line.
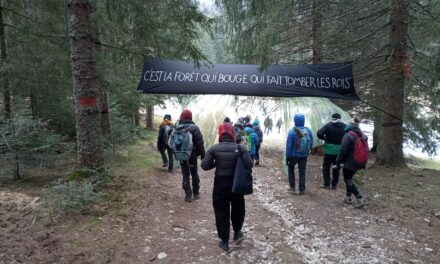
pixel 332 80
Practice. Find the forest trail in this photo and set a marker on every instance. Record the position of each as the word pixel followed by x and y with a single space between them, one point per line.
pixel 151 223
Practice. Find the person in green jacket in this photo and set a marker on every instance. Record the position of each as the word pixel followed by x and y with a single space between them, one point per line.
pixel 332 134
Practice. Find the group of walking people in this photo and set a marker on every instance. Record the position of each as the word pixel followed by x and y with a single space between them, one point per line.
pixel 244 138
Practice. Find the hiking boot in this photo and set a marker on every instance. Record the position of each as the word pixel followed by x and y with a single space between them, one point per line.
pixel 238 236
pixel 291 190
pixel 325 187
pixel 188 198
pixel 361 202
pixel 164 165
pixel 196 196
pixel 170 170
pixel 334 187
pixel 347 200
pixel 257 163
pixel 224 246
pixel 301 193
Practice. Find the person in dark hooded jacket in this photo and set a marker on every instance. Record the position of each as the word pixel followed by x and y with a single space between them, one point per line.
pixel 162 142
pixel 350 166
pixel 189 167
pixel 228 206
pixel 332 134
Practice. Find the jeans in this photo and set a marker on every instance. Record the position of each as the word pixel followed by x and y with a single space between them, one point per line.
pixel 257 152
pixel 302 162
pixel 348 179
pixel 168 160
pixel 228 207
pixel 190 168
pixel 328 162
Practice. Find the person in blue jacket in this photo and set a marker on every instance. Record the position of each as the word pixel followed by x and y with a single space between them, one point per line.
pixel 299 143
pixel 254 137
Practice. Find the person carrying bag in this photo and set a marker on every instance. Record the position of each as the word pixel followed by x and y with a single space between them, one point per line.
pixel 228 206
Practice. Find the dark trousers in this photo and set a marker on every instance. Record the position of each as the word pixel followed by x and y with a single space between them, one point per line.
pixel 257 152
pixel 189 168
pixel 302 162
pixel 348 179
pixel 328 162
pixel 168 159
pixel 228 207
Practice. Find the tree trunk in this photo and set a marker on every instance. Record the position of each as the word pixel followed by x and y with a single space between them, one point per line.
pixel 317 31
pixel 106 129
pixel 85 86
pixel 3 57
pixel 390 149
pixel 149 115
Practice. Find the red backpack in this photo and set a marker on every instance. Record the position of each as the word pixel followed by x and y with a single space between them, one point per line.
pixel 360 153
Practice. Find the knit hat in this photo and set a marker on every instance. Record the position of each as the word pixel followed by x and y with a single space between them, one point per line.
pixel 227 120
pixel 186 115
pixel 167 116
pixel 336 116
pixel 256 123
pixel 227 130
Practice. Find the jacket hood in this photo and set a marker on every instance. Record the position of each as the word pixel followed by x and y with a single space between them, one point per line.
pixel 299 120
pixel 337 124
pixel 226 130
pixel 248 130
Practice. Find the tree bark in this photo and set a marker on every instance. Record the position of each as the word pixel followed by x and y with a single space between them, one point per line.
pixel 149 115
pixel 390 147
pixel 85 86
pixel 317 31
pixel 106 129
pixel 3 61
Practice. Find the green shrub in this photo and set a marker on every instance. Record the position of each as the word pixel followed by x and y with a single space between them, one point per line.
pixel 71 195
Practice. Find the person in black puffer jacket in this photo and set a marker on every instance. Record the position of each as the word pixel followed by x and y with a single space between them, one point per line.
pixel 332 134
pixel 189 167
pixel 228 206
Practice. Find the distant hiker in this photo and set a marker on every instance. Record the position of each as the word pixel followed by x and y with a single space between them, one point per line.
pixel 354 155
pixel 299 143
pixel 279 124
pixel 252 141
pixel 257 129
pixel 228 206
pixel 268 123
pixel 165 129
pixel 332 134
pixel 191 146
pixel 239 130
pixel 247 120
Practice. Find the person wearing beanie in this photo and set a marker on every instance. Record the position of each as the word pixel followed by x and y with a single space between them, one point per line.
pixel 257 129
pixel 228 207
pixel 332 134
pixel 165 129
pixel 227 120
pixel 298 145
pixel 346 157
pixel 189 167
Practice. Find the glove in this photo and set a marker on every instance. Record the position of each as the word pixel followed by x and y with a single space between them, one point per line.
pixel 337 165
pixel 287 161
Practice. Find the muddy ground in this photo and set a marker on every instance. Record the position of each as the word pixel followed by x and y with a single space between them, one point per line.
pixel 144 219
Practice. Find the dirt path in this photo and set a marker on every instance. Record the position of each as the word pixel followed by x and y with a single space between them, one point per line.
pixel 150 222
pixel 279 227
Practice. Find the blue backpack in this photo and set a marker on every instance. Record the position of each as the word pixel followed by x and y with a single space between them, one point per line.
pixel 302 144
pixel 181 142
